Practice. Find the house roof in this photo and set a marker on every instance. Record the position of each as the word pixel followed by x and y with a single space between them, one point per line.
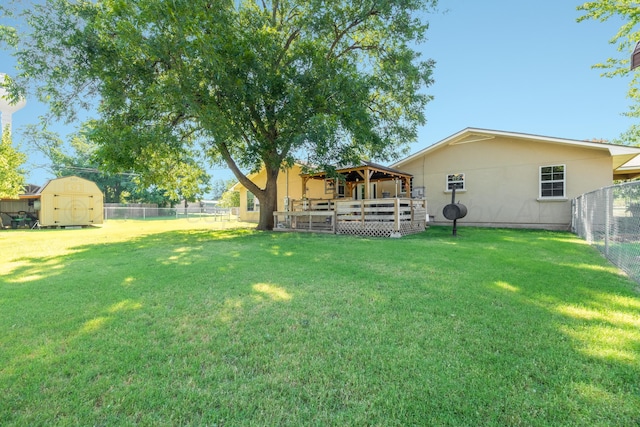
pixel 629 170
pixel 353 173
pixel 29 191
pixel 625 159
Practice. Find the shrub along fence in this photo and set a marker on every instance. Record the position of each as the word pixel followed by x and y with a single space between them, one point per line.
pixel 609 218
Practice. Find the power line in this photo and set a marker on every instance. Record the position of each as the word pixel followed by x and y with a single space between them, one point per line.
pixel 94 170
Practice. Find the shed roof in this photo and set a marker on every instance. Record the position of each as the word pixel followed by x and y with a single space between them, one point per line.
pixel 66 178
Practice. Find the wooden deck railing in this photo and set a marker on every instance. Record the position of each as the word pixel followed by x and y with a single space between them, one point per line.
pixel 371 217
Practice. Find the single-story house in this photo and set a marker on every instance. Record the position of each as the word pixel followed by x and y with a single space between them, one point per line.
pixel 61 202
pixel 504 179
pixel 509 179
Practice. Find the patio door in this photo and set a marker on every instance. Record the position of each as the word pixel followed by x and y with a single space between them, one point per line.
pixel 358 191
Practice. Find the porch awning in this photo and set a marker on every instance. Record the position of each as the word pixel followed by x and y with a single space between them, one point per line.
pixel 364 171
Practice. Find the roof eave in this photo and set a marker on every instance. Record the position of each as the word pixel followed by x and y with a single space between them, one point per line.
pixel 620 154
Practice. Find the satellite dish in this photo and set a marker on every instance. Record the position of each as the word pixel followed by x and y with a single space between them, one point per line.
pixel 635 57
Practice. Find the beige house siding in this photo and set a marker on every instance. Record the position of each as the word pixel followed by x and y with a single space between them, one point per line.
pixel 502 177
pixel 502 180
pixel 289 185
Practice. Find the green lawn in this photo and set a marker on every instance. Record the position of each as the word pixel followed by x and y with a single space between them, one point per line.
pixel 131 323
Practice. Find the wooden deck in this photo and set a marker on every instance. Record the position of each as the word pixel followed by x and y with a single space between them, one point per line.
pixel 394 217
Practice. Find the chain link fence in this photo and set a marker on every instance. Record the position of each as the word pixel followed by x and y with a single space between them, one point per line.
pixel 211 214
pixel 609 218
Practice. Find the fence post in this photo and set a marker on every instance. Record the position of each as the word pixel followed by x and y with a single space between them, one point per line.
pixel 607 221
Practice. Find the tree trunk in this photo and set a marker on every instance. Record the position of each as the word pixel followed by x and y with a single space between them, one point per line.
pixel 268 200
pixel 268 197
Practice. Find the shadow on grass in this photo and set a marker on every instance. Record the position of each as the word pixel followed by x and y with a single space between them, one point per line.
pixel 496 327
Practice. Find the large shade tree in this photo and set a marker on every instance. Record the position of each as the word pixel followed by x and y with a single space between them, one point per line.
pixel 249 84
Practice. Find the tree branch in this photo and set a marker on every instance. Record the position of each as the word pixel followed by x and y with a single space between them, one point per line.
pixel 286 47
pixel 341 33
pixel 231 164
pixel 257 125
pixel 274 13
pixel 355 46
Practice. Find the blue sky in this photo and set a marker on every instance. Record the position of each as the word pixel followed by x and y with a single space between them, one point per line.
pixel 500 64
pixel 522 67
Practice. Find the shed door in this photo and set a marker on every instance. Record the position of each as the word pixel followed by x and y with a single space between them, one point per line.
pixel 71 210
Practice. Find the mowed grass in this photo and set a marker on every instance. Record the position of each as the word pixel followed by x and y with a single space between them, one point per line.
pixel 183 323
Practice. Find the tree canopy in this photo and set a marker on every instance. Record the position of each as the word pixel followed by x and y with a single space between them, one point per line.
pixel 628 35
pixel 248 84
pixel 11 174
pixel 77 158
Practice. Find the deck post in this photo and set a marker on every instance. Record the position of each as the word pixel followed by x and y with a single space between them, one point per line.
pixel 396 214
pixel 305 179
pixel 411 206
pixel 333 221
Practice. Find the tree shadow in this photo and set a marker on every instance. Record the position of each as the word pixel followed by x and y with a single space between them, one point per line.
pixel 203 326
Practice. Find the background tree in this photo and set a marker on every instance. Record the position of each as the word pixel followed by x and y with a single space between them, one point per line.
pixel 625 40
pixel 248 84
pixel 230 199
pixel 78 158
pixel 75 158
pixel 12 180
pixel 220 186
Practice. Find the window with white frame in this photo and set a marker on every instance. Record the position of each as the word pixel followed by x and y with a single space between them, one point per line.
pixel 553 181
pixel 253 205
pixel 455 180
